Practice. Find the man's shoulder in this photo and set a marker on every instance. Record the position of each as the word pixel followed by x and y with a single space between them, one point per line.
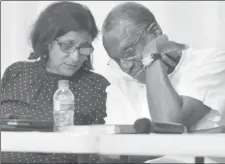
pixel 199 69
pixel 193 59
pixel 204 53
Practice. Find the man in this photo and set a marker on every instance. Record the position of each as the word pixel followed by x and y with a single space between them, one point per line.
pixel 193 94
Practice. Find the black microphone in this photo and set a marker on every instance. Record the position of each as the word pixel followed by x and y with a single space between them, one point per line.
pixel 145 126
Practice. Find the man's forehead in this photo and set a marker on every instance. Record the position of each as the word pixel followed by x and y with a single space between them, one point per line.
pixel 114 45
pixel 122 36
pixel 118 39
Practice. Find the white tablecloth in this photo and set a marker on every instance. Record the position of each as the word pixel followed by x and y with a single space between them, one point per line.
pixel 103 141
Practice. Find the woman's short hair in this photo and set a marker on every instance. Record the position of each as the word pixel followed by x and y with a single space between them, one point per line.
pixel 56 20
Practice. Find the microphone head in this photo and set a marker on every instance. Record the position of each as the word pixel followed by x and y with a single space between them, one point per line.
pixel 143 126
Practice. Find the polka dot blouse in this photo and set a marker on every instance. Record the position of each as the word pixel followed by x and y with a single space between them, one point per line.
pixel 28 89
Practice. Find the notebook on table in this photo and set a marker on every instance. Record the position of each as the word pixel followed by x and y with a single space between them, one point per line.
pixel 24 123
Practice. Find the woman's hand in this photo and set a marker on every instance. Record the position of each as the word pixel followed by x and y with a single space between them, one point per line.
pixel 171 51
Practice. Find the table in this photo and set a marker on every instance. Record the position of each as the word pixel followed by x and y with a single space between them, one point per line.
pixel 57 142
pixel 115 144
pixel 158 144
pixel 47 142
pixel 190 145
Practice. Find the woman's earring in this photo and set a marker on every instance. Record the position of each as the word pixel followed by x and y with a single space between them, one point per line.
pixel 45 58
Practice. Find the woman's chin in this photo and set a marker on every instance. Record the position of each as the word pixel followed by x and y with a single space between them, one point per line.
pixel 68 72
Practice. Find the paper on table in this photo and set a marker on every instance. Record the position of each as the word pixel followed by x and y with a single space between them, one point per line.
pixel 90 129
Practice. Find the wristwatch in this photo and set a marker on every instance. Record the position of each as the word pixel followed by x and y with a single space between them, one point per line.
pixel 147 60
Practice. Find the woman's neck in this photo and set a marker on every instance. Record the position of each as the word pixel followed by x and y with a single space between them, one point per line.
pixel 50 68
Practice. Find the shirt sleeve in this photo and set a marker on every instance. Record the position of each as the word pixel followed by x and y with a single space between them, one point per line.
pixel 118 107
pixel 9 75
pixel 206 81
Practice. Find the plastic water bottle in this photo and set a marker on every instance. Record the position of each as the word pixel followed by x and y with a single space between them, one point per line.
pixel 63 106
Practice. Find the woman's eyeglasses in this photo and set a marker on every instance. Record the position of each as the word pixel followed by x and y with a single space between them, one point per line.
pixel 68 48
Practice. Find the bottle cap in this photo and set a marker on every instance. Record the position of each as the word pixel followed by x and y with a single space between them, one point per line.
pixel 63 83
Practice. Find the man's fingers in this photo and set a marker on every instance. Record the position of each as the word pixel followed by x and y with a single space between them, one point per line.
pixel 174 55
pixel 179 45
pixel 164 45
pixel 170 46
pixel 168 61
pixel 169 64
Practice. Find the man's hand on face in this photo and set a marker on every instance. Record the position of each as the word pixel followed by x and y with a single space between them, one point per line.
pixel 171 51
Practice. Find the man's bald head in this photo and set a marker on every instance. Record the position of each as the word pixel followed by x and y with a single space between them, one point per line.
pixel 128 14
pixel 126 31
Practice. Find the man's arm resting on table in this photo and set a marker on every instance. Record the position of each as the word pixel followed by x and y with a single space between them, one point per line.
pixel 164 102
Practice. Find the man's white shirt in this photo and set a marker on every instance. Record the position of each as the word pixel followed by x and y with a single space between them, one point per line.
pixel 200 74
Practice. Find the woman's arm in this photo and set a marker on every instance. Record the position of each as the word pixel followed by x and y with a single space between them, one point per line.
pixel 9 74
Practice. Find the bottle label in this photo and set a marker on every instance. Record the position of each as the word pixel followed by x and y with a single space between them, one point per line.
pixel 66 107
pixel 63 105
pixel 63 113
pixel 56 106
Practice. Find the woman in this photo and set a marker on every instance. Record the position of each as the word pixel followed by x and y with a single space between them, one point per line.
pixel 61 40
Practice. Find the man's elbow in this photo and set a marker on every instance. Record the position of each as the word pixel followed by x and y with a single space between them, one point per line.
pixel 174 112
pixel 188 113
pixel 180 117
pixel 173 117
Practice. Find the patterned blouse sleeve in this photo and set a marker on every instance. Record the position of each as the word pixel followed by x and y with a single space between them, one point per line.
pixel 10 73
pixel 100 109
